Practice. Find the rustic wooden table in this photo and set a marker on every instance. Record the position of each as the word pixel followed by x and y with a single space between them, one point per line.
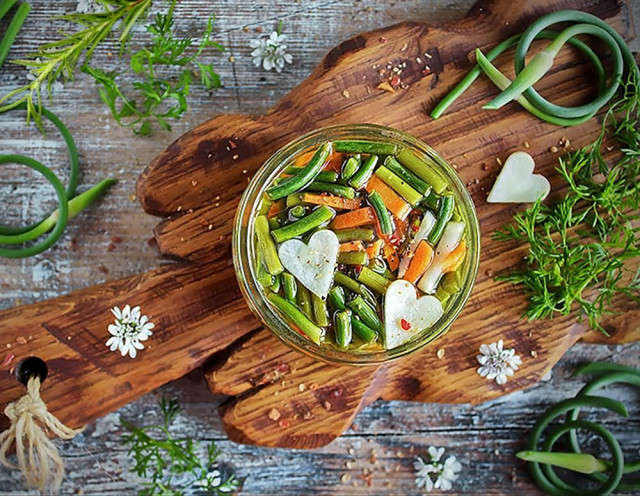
pixel 484 438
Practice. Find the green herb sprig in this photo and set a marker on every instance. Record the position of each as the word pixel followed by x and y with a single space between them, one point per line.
pixel 60 58
pixel 158 98
pixel 169 465
pixel 581 249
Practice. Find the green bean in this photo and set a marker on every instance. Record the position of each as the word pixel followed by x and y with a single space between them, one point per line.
pixel 368 296
pixel 334 189
pixel 353 258
pixel 297 212
pixel 344 331
pixel 374 281
pixel 315 219
pixel 265 279
pixel 320 314
pixel 363 146
pixel 12 31
pixel 350 167
pixel 364 173
pixel 304 300
pixel 266 245
pixel 383 215
pixel 451 282
pixel 421 169
pixel 406 175
pixel 398 185
pixel 363 331
pixel 604 368
pixel 551 414
pixel 289 286
pixel 367 314
pixel 293 200
pixel 444 216
pixel 326 176
pixel 345 281
pixel 299 319
pixel 337 298
pixel 296 183
pixel 277 283
pixel 265 206
pixel 432 200
pixel 358 233
pixel 275 223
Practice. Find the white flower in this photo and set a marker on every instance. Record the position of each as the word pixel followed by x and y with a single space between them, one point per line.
pixel 129 330
pixel 444 473
pixel 271 52
pixel 497 363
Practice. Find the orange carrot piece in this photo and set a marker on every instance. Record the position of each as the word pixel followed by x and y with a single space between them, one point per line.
pixel 276 208
pixel 354 218
pixel 391 256
pixel 334 163
pixel 394 202
pixel 303 159
pixel 455 258
pixel 332 201
pixel 349 246
pixel 420 262
pixel 373 250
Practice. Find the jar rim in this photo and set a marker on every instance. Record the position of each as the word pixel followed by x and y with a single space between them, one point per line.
pixel 243 243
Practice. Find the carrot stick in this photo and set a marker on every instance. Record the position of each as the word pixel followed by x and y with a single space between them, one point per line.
pixel 303 159
pixel 332 201
pixel 335 162
pixel 392 200
pixel 455 258
pixel 354 218
pixel 391 255
pixel 276 207
pixel 350 246
pixel 420 262
pixel 373 250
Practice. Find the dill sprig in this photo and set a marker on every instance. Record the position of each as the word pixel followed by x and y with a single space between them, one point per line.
pixel 172 466
pixel 158 98
pixel 60 58
pixel 582 248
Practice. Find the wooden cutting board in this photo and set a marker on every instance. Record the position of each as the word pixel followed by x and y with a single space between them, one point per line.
pixel 195 303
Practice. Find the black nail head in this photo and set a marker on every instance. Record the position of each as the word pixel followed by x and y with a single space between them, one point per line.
pixel 31 367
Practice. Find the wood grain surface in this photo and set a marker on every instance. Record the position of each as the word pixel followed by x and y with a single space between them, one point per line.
pixel 97 461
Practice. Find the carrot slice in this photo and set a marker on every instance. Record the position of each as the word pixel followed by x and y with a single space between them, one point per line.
pixel 303 159
pixel 276 208
pixel 420 262
pixel 349 246
pixel 391 256
pixel 332 201
pixel 373 250
pixel 455 258
pixel 392 200
pixel 354 218
pixel 335 162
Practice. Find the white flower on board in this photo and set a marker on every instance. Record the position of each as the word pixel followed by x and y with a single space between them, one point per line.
pixel 129 330
pixel 444 473
pixel 497 363
pixel 271 52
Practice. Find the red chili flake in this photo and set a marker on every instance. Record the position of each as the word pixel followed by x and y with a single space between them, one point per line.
pixel 8 358
pixel 395 81
pixel 232 145
pixel 103 269
pixel 415 227
pixel 406 325
pixel 284 423
pixel 116 239
pixel 383 39
pixel 357 269
pixel 111 247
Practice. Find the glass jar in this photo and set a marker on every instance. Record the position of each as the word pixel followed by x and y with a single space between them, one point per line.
pixel 244 242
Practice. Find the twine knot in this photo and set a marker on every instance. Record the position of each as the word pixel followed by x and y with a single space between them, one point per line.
pixel 31 425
